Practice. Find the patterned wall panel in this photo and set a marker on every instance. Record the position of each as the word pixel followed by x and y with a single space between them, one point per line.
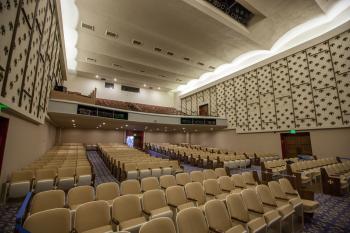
pixel 25 65
pixel 189 105
pixel 213 103
pixel 183 105
pixel 194 104
pixel 305 90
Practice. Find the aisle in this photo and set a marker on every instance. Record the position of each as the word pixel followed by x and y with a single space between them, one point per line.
pixel 103 174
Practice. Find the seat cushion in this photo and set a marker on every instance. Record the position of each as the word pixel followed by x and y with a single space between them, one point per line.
pixel 286 210
pixel 256 224
pixel 310 206
pixel 132 224
pixel 102 229
pixel 236 229
pixel 162 212
pixel 271 216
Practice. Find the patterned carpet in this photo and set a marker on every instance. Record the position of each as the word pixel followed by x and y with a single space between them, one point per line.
pixel 332 217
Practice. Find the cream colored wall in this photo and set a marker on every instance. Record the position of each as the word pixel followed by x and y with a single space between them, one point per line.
pixel 24 143
pixel 91 136
pixel 145 96
pixel 161 137
pixel 325 143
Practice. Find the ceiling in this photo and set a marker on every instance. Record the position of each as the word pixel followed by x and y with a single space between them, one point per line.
pixel 67 121
pixel 167 43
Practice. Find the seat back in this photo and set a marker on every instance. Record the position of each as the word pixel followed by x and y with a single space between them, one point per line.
pixel 92 215
pixel 217 215
pixel 66 172
pixel 220 171
pixel 191 220
pixel 19 176
pixel 126 207
pixel 238 181
pixel 252 201
pixel 286 186
pixel 226 183
pixel 107 191
pixel 265 195
pixel 167 181
pixel 47 200
pixel 195 191
pixel 153 199
pixel 183 178
pixel 175 195
pixel 149 183
pixel 236 207
pixel 41 174
pixel 158 225
pixel 130 187
pixel 197 176
pixel 211 186
pixel 248 178
pixel 276 190
pixel 209 174
pixel 80 195
pixel 54 221
pixel 83 170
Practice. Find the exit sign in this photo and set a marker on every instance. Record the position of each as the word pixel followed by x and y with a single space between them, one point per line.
pixel 3 106
pixel 292 131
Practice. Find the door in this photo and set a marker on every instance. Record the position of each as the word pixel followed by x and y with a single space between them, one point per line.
pixel 135 139
pixel 4 122
pixel 204 110
pixel 296 144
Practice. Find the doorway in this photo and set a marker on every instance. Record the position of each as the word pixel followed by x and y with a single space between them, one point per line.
pixel 4 123
pixel 295 144
pixel 204 110
pixel 134 139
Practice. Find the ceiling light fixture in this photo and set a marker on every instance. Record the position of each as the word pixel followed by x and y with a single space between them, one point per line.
pixel 97 76
pixel 115 79
pixel 73 120
pixel 126 125
pixel 103 123
pixel 144 85
pixel 158 88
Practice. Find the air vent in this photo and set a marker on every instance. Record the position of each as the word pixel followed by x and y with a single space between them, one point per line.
pixel 111 34
pixel 211 67
pixel 178 80
pixel 137 42
pixel 158 49
pixel 200 63
pixel 87 26
pixel 90 59
pixel 103 79
pixel 142 71
pixel 109 85
pixel 162 75
pixel 170 53
pixel 130 89
pixel 187 58
pixel 116 65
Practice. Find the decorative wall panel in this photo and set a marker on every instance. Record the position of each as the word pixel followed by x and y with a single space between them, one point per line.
pixel 213 104
pixel 26 67
pixel 194 106
pixel 309 89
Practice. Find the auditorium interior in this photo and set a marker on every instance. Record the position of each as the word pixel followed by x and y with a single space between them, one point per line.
pixel 175 116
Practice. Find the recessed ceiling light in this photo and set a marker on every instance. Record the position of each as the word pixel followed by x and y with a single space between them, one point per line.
pixel 121 127
pixel 144 85
pixel 73 120
pixel 158 88
pixel 126 125
pixel 100 126
pixel 97 76
pixel 115 79
pixel 103 123
pixel 116 128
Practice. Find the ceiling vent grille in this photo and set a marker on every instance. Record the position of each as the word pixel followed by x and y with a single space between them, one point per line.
pixel 130 89
pixel 200 63
pixel 87 26
pixel 170 53
pixel 211 67
pixel 158 49
pixel 89 59
pixel 187 59
pixel 116 65
pixel 137 42
pixel 111 34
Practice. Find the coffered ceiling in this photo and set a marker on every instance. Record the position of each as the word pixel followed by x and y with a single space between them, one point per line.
pixel 167 43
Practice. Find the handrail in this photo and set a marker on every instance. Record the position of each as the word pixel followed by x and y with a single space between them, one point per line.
pixel 20 215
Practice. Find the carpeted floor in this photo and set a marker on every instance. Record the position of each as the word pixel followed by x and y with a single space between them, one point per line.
pixel 332 217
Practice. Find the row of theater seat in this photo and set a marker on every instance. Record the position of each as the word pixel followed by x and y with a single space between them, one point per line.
pixel 340 171
pixel 251 210
pixel 62 167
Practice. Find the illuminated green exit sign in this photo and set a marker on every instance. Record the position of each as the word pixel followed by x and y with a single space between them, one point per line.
pixel 292 131
pixel 2 106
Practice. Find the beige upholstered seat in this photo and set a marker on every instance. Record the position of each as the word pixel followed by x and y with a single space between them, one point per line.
pixel 83 175
pixel 167 181
pixel 195 192
pixel 209 174
pixel 248 179
pixel 218 217
pixel 158 225
pixel 149 183
pixel 226 184
pixel 197 176
pixel 191 220
pixel 44 179
pixel 127 212
pixel 154 204
pixel 176 198
pixel 65 178
pixel 256 209
pixel 130 187
pixel 20 183
pixel 220 171
pixel 240 215
pixel 107 192
pixel 238 181
pixel 47 200
pixel 79 195
pixel 309 206
pixel 93 217
pixel 183 178
pixel 54 221
pixel 212 188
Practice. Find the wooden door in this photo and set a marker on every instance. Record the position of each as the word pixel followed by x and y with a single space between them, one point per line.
pixel 296 144
pixel 4 122
pixel 204 110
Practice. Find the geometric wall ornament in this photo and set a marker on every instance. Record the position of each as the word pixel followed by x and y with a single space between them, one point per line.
pixel 213 102
pixel 305 90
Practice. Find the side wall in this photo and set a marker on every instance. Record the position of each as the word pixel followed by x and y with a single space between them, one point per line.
pixel 146 96
pixel 89 136
pixel 173 138
pixel 24 143
pixel 325 143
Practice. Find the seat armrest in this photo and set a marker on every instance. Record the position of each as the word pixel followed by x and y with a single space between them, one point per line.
pixel 146 213
pixel 239 220
pixel 171 205
pixel 115 221
pixel 215 230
